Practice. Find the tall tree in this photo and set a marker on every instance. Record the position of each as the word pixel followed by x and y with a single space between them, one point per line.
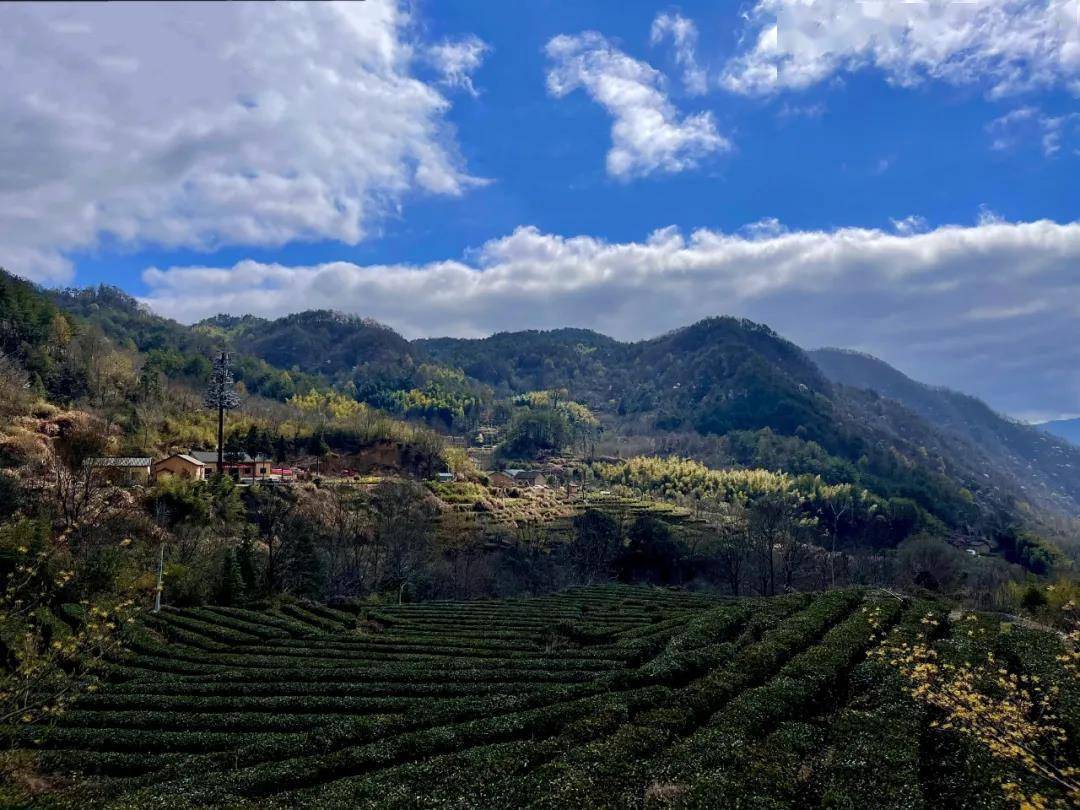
pixel 221 395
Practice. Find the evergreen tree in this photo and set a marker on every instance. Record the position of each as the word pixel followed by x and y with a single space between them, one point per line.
pixel 249 567
pixel 221 396
pixel 234 448
pixel 304 568
pixel 232 580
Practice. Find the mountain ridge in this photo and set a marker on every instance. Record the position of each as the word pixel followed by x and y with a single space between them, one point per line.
pixel 720 377
pixel 1052 466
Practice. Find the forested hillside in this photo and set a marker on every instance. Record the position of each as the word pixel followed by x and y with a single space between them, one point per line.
pixel 722 377
pixel 1044 468
pixel 172 349
pixel 318 342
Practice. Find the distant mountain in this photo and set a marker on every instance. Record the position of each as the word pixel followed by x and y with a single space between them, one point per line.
pixel 514 362
pixel 732 378
pixel 1044 468
pixel 716 375
pixel 772 404
pixel 316 341
pixel 1068 429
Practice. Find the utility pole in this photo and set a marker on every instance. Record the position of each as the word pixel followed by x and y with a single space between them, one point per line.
pixel 161 516
pixel 220 438
pixel 160 578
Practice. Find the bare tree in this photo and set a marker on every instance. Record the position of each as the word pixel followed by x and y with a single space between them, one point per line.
pixel 79 493
pixel 838 507
pixel 461 541
pixel 403 522
pixel 733 543
pixel 596 541
pixel 776 533
pixel 351 551
pixel 15 394
pixel 275 518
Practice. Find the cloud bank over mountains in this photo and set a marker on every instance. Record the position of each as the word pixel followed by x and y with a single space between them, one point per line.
pixel 986 308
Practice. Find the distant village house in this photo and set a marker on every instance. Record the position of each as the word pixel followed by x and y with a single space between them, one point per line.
pixel 530 478
pixel 513 477
pixel 238 465
pixel 500 480
pixel 121 469
pixel 180 465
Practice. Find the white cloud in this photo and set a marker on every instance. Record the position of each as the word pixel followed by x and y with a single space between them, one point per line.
pixel 1029 125
pixel 1007 46
pixel 989 308
pixel 910 224
pixel 211 124
pixel 457 60
pixel 1003 130
pixel 684 36
pixel 988 216
pixel 1056 129
pixel 788 111
pixel 648 135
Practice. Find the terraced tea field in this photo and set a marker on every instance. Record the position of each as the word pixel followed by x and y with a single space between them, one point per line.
pixel 597 697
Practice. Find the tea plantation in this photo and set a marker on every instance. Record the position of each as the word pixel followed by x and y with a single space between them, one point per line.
pixel 607 696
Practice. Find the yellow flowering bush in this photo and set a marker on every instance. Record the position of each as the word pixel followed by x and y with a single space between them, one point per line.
pixel 1013 715
pixel 52 648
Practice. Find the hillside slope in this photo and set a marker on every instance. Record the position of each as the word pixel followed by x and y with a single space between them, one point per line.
pixel 725 376
pixel 1046 469
pixel 175 350
pixel 719 377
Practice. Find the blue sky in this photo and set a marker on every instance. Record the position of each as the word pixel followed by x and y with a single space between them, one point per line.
pixel 458 172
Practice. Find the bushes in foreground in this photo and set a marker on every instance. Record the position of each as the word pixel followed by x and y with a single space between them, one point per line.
pixel 618 696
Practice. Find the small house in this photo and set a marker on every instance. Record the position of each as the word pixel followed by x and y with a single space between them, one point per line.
pixel 516 477
pixel 500 480
pixel 121 469
pixel 238 465
pixel 444 477
pixel 206 457
pixel 530 478
pixel 525 478
pixel 180 465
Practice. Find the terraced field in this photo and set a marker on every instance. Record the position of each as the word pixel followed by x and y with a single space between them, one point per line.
pixel 598 697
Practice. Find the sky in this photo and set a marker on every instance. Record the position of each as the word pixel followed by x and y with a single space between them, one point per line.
pixel 894 177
